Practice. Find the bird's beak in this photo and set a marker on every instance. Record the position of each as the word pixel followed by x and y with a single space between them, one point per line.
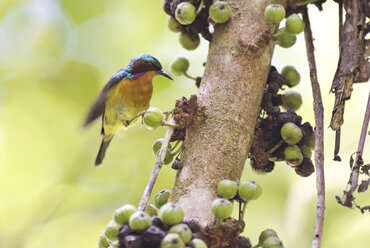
pixel 165 74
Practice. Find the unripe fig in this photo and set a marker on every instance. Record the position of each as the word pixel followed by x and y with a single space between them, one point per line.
pixel 102 242
pixel 183 231
pixel 294 24
pixel 311 141
pixel 122 215
pixel 220 11
pixel 188 41
pixel 198 243
pixel 179 66
pixel 153 118
pixel 157 145
pixel 173 25
pixel 151 210
pixel 275 13
pixel 185 13
pixel 249 190
pixel 292 99
pixel 168 158
pixel 293 155
pixel 272 242
pixel 227 189
pixel 139 221
pixel 114 244
pixel 284 38
pixel 161 197
pixel 111 231
pixel 171 214
pixel 291 75
pixel 291 133
pixel 222 208
pixel 172 240
pixel 306 151
pixel 265 234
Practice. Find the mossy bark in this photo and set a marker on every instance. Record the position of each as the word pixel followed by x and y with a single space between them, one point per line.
pixel 231 92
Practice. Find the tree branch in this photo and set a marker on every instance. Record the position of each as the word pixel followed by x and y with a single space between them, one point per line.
pixel 231 92
pixel 319 133
pixel 158 164
pixel 353 179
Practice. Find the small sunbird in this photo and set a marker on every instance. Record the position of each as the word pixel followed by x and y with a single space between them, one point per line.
pixel 125 95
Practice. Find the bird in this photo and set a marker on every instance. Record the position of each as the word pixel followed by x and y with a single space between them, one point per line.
pixel 126 94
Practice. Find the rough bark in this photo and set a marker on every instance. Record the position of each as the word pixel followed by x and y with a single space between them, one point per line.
pixel 231 92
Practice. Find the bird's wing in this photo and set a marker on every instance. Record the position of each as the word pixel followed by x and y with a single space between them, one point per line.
pixel 97 109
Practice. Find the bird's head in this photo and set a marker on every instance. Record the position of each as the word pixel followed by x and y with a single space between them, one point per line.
pixel 144 63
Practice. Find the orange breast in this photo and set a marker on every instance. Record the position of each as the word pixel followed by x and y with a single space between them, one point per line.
pixel 137 92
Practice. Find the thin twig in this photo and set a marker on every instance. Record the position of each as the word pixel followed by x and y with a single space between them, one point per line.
pixel 338 132
pixel 355 170
pixel 319 133
pixel 158 164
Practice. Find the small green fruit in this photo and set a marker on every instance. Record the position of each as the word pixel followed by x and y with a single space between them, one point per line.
pixel 292 99
pixel 293 155
pixel 111 231
pixel 183 230
pixel 173 25
pixel 140 221
pixel 249 190
pixel 171 214
pixel 284 38
pixel 198 243
pixel 291 133
pixel 220 12
pixel 161 197
pixel 102 242
pixel 185 13
pixel 275 13
pixel 156 146
pixel 311 141
pixel 291 75
pixel 172 240
pixel 272 242
pixel 265 234
pixel 168 158
pixel 306 151
pixel 122 215
pixel 189 42
pixel 153 118
pixel 222 208
pixel 227 189
pixel 179 66
pixel 114 244
pixel 294 24
pixel 151 210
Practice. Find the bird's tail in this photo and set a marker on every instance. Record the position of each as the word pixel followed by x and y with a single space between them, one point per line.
pixel 103 147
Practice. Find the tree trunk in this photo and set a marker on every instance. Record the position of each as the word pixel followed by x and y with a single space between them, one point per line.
pixel 231 92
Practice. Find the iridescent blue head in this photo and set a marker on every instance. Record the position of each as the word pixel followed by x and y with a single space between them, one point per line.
pixel 143 63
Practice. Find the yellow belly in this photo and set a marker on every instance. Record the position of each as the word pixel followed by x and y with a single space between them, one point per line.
pixel 126 100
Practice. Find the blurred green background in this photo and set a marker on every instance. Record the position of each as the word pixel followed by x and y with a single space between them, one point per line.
pixel 55 56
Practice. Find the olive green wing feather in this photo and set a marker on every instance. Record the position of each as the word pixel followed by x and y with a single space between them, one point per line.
pixel 98 107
